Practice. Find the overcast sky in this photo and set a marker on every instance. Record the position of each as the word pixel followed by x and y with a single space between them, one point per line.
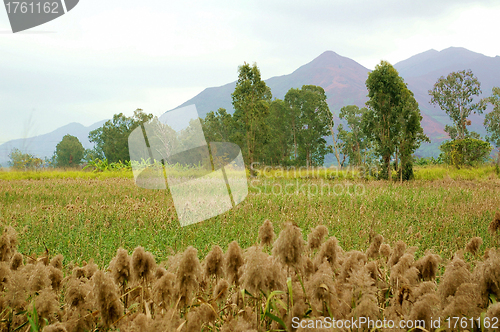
pixel 110 56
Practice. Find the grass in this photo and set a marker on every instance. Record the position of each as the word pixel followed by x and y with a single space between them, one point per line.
pixel 62 174
pixel 447 172
pixel 85 215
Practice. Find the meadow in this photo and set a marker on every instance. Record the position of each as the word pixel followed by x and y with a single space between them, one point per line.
pixel 88 215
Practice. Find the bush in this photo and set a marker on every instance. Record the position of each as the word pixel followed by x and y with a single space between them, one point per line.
pixel 465 152
pixel 426 161
pixel 24 161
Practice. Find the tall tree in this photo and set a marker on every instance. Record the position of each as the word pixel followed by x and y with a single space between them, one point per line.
pixel 354 141
pixel 455 95
pixel 338 144
pixel 492 119
pixel 279 146
pixel 69 152
pixel 112 138
pixel 411 135
pixel 310 117
pixel 251 99
pixel 292 103
pixel 392 117
pixel 218 126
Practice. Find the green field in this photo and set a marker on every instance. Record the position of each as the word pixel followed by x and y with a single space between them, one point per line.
pixel 417 270
pixel 85 215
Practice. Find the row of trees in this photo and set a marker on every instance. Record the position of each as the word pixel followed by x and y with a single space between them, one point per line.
pixel 293 130
pixel 277 132
pixel 110 142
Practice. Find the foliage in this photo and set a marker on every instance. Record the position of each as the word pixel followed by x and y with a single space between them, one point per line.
pixel 309 116
pixel 427 161
pixel 219 126
pixel 355 143
pixel 69 152
pixel 465 152
pixel 112 138
pixel 91 154
pixel 492 119
pixel 250 100
pixel 278 149
pixel 99 165
pixel 455 95
pixel 392 122
pixel 24 161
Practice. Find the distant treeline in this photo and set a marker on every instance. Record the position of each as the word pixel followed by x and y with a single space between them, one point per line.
pixel 292 132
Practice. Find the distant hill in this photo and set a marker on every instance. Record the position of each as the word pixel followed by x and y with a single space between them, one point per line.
pixel 344 82
pixel 44 145
pixel 421 71
pixel 342 78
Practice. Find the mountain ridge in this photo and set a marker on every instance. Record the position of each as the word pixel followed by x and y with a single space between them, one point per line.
pixel 44 145
pixel 343 80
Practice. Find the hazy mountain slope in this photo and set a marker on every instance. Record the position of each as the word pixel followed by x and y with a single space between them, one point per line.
pixel 342 78
pixel 423 70
pixel 344 82
pixel 44 145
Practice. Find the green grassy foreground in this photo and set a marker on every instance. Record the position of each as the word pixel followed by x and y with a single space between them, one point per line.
pixel 91 217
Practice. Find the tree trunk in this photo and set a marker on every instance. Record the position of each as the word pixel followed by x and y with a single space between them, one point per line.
pixel 387 166
pixel 335 148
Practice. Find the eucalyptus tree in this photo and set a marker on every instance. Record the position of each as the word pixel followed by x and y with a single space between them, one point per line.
pixel 251 99
pixel 392 121
pixel 310 117
pixel 455 94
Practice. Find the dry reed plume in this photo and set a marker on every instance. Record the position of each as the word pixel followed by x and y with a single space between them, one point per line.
pixel 247 290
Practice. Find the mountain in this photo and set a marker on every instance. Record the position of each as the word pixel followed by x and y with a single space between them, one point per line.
pixel 44 145
pixel 421 71
pixel 344 82
pixel 342 78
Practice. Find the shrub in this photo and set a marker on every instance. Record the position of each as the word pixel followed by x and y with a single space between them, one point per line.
pixel 24 161
pixel 465 152
pixel 426 161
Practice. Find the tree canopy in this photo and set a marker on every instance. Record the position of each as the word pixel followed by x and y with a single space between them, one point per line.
pixel 69 152
pixel 392 122
pixel 455 95
pixel 112 138
pixel 309 117
pixel 355 143
pixel 492 119
pixel 251 99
